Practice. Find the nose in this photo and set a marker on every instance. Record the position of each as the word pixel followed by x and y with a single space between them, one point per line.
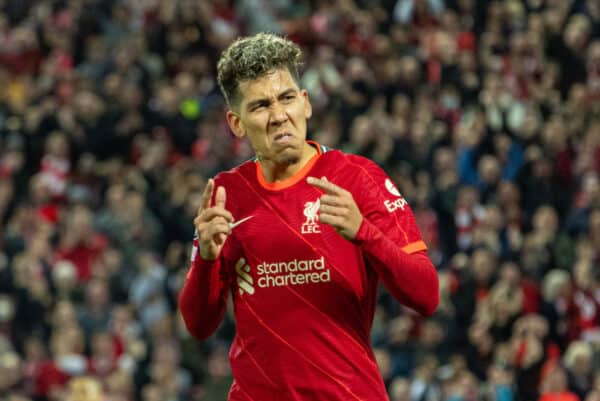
pixel 278 114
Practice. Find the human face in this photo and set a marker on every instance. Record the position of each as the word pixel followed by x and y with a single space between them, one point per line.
pixel 272 113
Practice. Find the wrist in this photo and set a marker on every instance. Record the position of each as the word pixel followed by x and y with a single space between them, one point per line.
pixel 364 232
pixel 205 255
pixel 354 233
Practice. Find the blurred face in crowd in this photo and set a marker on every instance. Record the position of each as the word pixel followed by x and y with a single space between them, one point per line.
pixel 554 134
pixel 545 219
pixel 57 145
pixel 80 223
pixel 483 265
pixel 468 197
pixel 136 205
pixel 556 381
pixel 583 275
pixel 64 314
pixel 489 169
pixel 85 389
pixel 64 276
pixel 97 294
pixel 152 392
pixel 582 365
pixel 272 113
pixel 577 31
pixel 383 361
pixel 432 333
pixel 10 370
pixel 115 196
pixel 361 131
pixel 88 106
pixel 169 100
pixel 7 309
pixel 509 273
pixel 102 344
pixel 400 389
pixel 120 384
pixel 34 349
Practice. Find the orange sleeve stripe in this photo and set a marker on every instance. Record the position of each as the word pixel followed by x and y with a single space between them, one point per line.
pixel 415 247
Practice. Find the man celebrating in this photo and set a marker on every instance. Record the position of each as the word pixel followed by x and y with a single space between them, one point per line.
pixel 300 237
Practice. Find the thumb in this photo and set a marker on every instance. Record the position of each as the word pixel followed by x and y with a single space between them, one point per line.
pixel 220 197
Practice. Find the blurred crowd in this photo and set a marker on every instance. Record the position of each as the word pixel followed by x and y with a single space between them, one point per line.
pixel 486 113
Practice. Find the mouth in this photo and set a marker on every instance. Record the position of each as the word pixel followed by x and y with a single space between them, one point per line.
pixel 282 138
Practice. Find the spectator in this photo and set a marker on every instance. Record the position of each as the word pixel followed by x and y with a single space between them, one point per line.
pixel 554 386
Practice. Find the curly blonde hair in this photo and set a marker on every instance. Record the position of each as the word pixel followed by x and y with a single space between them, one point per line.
pixel 252 57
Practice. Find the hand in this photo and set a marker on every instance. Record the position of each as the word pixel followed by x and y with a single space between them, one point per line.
pixel 338 208
pixel 212 223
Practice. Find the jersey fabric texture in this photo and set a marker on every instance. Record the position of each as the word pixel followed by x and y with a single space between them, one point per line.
pixel 304 297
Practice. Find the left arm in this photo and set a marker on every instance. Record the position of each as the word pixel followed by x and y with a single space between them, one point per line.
pixel 409 275
pixel 385 229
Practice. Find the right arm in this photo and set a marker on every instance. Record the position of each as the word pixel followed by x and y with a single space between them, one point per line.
pixel 204 295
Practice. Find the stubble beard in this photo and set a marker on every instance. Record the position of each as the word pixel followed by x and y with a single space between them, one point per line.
pixel 291 156
pixel 283 160
pixel 288 160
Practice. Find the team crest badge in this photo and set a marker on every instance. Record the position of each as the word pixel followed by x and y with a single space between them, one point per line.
pixel 311 212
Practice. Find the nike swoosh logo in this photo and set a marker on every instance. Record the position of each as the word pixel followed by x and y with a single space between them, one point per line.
pixel 237 223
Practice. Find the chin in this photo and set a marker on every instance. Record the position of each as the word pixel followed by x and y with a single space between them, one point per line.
pixel 288 158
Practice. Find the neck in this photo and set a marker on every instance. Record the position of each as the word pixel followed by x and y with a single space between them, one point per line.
pixel 273 172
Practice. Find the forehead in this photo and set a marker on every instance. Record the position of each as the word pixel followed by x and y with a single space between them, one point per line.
pixel 267 86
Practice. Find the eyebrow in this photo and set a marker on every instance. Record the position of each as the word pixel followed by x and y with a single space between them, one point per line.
pixel 266 101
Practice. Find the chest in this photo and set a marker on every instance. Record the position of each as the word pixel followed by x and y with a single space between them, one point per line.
pixel 282 224
pixel 288 249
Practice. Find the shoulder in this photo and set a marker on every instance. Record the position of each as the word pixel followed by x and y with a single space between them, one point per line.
pixel 362 163
pixel 237 174
pixel 350 165
pixel 361 176
pixel 237 184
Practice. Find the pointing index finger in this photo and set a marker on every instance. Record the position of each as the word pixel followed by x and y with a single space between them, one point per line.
pixel 328 187
pixel 220 197
pixel 207 194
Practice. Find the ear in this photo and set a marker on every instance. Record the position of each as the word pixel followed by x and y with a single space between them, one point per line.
pixel 307 105
pixel 235 124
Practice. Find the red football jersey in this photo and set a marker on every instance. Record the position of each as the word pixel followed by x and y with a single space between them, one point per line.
pixel 304 296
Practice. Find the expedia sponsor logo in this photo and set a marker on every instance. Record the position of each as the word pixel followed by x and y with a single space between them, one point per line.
pixel 394 205
pixel 398 203
pixel 389 185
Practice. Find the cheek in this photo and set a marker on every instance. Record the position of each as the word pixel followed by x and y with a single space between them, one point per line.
pixel 258 141
pixel 298 112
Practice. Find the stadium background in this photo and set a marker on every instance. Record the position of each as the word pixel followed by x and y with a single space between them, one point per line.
pixel 485 113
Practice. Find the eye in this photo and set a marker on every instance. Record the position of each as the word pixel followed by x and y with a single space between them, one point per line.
pixel 259 106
